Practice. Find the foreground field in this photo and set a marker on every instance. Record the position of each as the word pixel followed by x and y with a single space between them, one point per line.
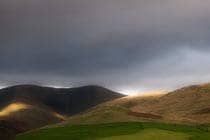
pixel 122 131
pixel 151 134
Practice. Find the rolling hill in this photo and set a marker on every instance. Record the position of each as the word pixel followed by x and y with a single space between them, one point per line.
pixel 65 101
pixel 26 107
pixel 186 105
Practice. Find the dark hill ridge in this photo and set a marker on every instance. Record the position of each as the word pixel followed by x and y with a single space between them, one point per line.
pixel 26 107
pixel 67 101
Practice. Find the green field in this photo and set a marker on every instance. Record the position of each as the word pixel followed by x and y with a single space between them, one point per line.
pixel 151 134
pixel 120 131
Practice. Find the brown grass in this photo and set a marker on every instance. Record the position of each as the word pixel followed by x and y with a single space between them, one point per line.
pixel 186 105
pixel 144 115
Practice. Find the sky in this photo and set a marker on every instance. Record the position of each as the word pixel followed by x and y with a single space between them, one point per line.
pixel 125 45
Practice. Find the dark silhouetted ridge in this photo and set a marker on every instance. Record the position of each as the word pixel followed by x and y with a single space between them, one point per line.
pixel 67 101
pixel 38 106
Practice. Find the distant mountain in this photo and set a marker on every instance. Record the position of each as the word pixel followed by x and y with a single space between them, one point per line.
pixel 26 107
pixel 186 105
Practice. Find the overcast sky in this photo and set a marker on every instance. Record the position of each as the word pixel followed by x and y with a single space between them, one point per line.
pixel 125 45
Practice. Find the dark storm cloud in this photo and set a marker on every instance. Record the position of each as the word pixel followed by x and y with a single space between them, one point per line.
pixel 112 42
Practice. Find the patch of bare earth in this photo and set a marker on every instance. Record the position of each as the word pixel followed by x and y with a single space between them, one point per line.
pixel 144 115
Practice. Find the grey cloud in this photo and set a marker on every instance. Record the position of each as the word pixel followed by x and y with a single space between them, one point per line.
pixel 110 42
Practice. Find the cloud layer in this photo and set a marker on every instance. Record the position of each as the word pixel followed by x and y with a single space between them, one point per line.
pixel 135 44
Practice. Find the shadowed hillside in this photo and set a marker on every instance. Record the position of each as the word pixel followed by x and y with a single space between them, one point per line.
pixel 27 107
pixel 65 101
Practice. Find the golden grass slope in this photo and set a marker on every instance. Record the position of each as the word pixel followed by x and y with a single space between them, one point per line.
pixel 186 105
pixel 12 108
pixel 21 116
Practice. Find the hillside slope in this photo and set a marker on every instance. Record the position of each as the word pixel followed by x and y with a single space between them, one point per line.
pixel 27 107
pixel 67 101
pixel 187 105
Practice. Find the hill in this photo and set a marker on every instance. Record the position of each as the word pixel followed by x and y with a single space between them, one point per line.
pixel 26 107
pixel 67 101
pixel 186 105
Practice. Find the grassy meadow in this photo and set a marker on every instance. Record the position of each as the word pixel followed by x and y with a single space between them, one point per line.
pixel 120 131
